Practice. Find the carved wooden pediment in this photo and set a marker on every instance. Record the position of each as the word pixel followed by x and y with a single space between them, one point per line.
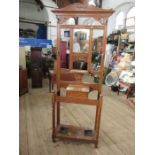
pixel 85 10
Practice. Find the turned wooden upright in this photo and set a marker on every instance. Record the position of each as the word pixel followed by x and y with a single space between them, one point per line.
pixel 76 90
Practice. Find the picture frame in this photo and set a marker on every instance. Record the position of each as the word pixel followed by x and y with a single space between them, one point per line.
pixel 66 33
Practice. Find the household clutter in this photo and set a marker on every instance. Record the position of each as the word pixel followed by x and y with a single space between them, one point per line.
pixel 122 64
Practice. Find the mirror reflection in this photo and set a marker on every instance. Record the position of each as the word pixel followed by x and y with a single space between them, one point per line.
pixel 97 49
pixel 80 40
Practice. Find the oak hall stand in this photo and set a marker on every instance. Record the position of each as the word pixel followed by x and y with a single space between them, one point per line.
pixel 77 90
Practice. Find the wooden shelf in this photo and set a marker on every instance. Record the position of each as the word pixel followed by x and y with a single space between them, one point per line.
pixel 75 133
pixel 78 71
pixel 91 85
pixel 77 91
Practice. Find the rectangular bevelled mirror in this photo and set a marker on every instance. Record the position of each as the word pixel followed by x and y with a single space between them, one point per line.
pixel 80 40
pixel 80 48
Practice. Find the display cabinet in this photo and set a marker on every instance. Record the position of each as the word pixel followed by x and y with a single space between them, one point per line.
pixel 23 82
pixel 36 67
pixel 81 41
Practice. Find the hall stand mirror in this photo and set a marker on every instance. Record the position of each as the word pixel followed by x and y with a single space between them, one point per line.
pixel 83 40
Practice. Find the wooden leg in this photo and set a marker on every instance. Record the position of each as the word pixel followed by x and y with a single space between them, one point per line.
pixel 53 139
pixel 58 113
pixel 97 120
pixel 118 90
pixel 130 90
pixel 53 117
pixel 97 109
pixel 49 77
pixel 96 144
pixel 52 84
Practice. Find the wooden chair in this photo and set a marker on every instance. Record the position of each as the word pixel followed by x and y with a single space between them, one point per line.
pixel 76 90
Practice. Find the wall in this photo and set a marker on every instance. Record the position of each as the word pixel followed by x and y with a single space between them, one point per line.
pixel 117 5
pixel 47 15
pixel 30 10
pixel 28 26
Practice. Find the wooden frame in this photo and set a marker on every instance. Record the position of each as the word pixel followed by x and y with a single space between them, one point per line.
pixel 77 133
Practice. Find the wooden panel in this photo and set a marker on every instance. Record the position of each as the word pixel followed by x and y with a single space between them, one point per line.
pixel 77 94
pixel 80 9
pixel 75 14
pixel 79 88
pixel 76 100
pixel 80 56
pixel 63 48
pixel 83 26
pixel 23 83
pixel 71 50
pixel 91 85
pixel 102 57
pixel 78 91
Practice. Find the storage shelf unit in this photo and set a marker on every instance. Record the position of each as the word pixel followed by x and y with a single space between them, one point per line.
pixel 36 67
pixel 69 132
pixel 23 83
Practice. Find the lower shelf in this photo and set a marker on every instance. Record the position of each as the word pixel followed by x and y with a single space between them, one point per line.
pixel 75 133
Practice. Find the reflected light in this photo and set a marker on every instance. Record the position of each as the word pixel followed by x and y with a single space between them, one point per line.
pixel 91 2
